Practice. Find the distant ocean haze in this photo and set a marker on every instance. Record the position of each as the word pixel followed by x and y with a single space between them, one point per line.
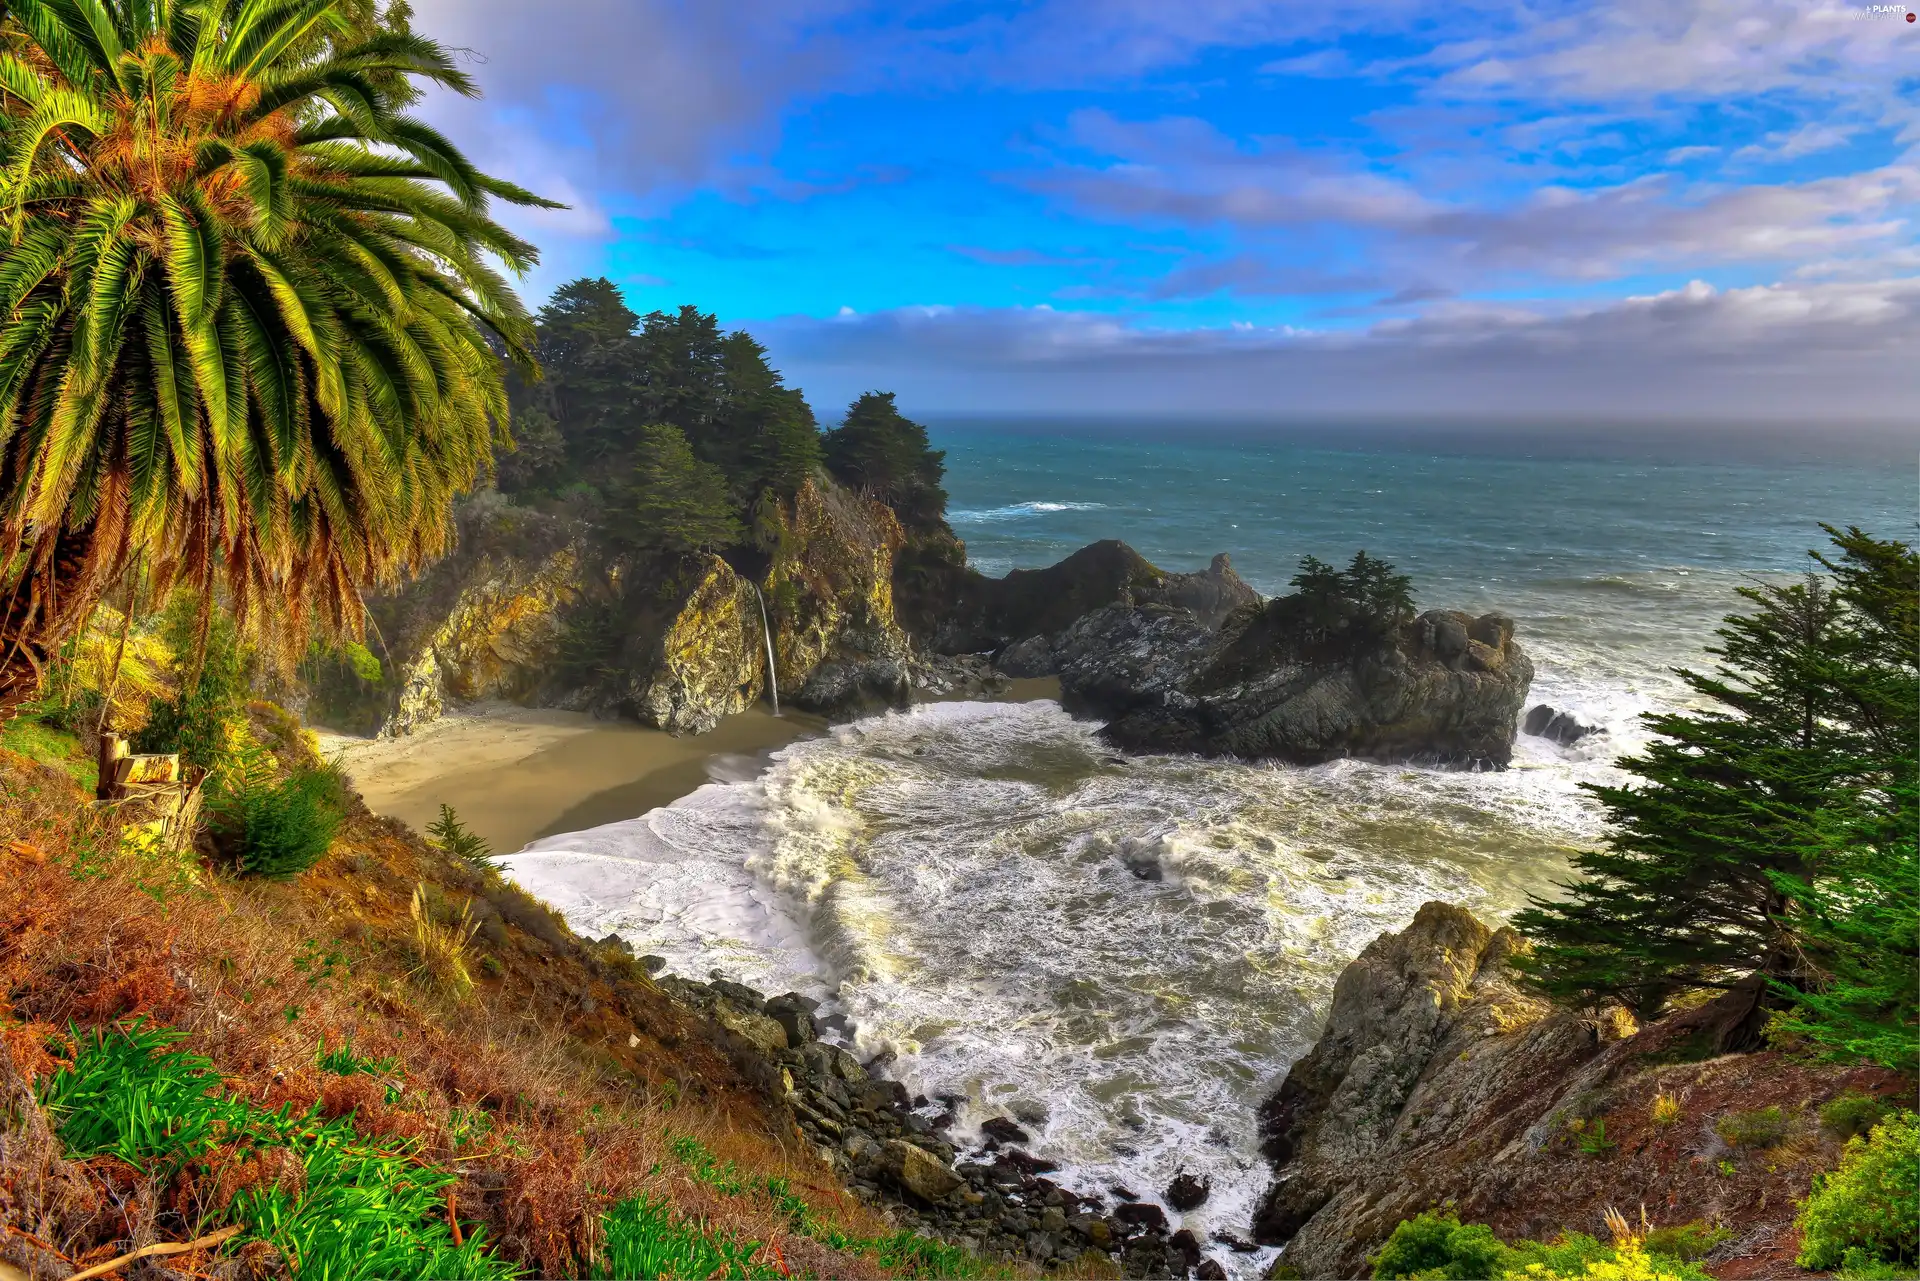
pixel 1136 949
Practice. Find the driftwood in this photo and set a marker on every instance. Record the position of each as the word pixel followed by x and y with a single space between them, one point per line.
pixel 148 1251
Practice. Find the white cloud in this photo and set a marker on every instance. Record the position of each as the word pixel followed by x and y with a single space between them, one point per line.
pixel 1799 351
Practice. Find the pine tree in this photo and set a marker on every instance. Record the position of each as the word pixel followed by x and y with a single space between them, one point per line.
pixel 1696 886
pixel 680 503
pixel 886 455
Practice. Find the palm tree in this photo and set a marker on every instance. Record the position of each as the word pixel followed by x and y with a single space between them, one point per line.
pixel 254 314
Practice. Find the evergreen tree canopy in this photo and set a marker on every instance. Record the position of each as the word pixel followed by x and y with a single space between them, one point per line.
pixel 1767 829
pixel 612 375
pixel 1366 600
pixel 886 455
pixel 680 502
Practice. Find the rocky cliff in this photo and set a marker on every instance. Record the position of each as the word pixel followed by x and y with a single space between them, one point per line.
pixel 1445 688
pixel 531 608
pixel 1439 1079
pixel 966 612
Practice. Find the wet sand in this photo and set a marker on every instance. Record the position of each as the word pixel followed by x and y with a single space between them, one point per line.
pixel 515 774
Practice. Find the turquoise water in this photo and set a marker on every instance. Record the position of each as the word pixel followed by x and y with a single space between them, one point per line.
pixel 956 880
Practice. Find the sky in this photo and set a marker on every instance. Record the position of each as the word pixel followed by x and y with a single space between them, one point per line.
pixel 1647 209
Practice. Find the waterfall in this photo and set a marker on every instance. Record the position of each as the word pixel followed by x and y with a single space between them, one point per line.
pixel 773 681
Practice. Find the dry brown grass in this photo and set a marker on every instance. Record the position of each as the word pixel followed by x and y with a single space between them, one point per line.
pixel 547 1087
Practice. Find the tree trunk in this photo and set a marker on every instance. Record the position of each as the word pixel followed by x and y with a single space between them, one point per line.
pixel 37 613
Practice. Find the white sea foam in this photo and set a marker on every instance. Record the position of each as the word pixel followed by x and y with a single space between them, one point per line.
pixel 1014 511
pixel 968 884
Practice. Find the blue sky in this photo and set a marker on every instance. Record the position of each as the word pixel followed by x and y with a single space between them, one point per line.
pixel 1692 208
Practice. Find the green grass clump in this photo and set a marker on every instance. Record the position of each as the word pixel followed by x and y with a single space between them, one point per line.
pixel 1863 1213
pixel 38 741
pixel 363 1211
pixel 1852 1114
pixel 280 827
pixel 644 1238
pixel 906 1254
pixel 1436 1246
pixel 1760 1128
pixel 342 1061
pixel 1687 1241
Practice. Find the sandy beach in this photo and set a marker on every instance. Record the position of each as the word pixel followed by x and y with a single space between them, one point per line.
pixel 516 774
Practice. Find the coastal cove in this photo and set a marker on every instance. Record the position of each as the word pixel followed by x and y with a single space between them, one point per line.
pixel 1124 953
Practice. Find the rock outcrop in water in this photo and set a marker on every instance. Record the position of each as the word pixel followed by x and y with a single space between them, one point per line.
pixel 1439 1079
pixel 1019 615
pixel 1444 688
pixel 531 609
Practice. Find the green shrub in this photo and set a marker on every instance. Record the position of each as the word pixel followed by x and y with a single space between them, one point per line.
pixel 453 837
pixel 1436 1246
pixel 1852 1114
pixel 1433 1244
pixel 1868 1205
pixel 279 828
pixel 1760 1128
pixel 1856 1266
pixel 1687 1241
pixel 362 1211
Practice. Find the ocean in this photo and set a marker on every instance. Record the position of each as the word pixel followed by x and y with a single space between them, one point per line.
pixel 955 880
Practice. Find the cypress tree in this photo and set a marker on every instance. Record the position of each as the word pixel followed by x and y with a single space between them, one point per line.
pixel 1705 877
pixel 886 455
pixel 680 503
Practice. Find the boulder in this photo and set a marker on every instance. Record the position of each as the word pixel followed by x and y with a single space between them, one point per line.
pixel 1033 656
pixel 1561 727
pixel 763 1033
pixel 1442 688
pixel 1004 1130
pixel 918 1171
pixel 1141 1214
pixel 1187 1192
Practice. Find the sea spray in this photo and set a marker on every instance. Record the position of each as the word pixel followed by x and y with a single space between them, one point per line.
pixel 1129 950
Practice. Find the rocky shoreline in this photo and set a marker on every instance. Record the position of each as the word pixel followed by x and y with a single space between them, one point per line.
pixel 897 1152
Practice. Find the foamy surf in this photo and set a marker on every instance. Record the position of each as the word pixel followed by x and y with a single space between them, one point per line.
pixel 1124 953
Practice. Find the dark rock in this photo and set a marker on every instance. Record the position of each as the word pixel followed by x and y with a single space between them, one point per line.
pixel 1209 1270
pixel 617 943
pixel 1027 1163
pixel 1268 686
pixel 738 993
pixel 1234 1243
pixel 1142 1214
pixel 653 964
pixel 960 611
pixel 1560 727
pixel 1430 1040
pixel 1187 1246
pixel 1004 1130
pixel 1123 1193
pixel 1031 657
pixel 798 1024
pixel 1187 1192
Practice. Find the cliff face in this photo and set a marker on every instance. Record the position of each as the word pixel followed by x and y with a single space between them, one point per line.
pixel 1439 1079
pixel 483 623
pixel 1447 688
pixel 527 610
